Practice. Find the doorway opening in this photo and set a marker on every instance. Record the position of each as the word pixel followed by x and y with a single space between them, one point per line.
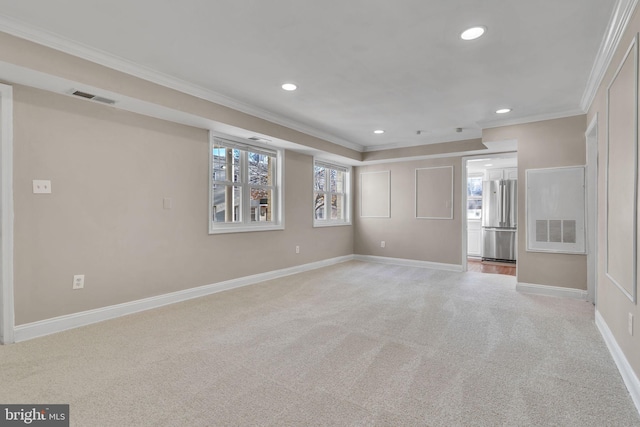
pixel 489 247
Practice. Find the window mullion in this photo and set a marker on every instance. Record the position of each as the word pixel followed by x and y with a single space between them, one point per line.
pixel 245 208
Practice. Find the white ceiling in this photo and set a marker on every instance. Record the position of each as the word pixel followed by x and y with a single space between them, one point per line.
pixel 360 65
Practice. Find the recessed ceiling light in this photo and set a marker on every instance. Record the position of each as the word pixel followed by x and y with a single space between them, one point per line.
pixel 473 33
pixel 489 164
pixel 378 131
pixel 503 111
pixel 289 86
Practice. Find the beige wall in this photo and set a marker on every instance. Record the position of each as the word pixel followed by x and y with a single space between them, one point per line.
pixel 110 171
pixel 551 143
pixel 545 144
pixel 612 304
pixel 433 240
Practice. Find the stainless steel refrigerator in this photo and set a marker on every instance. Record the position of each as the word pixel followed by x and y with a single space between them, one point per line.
pixel 499 220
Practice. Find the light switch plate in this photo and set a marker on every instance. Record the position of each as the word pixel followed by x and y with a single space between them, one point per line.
pixel 41 186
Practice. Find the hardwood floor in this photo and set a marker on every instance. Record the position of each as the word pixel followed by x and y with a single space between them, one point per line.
pixel 495 268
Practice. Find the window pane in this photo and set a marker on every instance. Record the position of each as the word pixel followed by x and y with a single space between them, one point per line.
pixel 474 187
pixel 260 167
pixel 319 174
pixel 337 207
pixel 319 206
pixel 226 203
pixel 226 164
pixel 336 181
pixel 261 205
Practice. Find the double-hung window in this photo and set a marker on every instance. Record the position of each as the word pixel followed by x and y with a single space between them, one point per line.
pixel 331 194
pixel 246 187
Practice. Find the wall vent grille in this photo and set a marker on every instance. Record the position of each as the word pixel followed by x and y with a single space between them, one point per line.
pixel 556 230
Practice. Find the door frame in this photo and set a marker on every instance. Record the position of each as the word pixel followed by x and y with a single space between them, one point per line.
pixel 591 141
pixel 7 317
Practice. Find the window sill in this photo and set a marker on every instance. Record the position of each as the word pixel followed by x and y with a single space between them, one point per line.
pixel 245 229
pixel 318 224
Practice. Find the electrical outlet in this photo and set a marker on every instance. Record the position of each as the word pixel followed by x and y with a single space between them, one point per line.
pixel 78 281
pixel 383 244
pixel 631 324
pixel 297 249
pixel 41 186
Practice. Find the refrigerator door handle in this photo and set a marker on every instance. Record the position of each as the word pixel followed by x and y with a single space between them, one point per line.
pixel 503 203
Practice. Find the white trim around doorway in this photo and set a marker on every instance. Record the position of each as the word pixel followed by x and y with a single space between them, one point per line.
pixel 591 178
pixel 6 215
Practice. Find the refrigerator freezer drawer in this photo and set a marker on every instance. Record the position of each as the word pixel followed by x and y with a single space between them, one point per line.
pixel 499 244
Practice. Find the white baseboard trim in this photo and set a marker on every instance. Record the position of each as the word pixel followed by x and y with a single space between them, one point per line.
pixel 551 291
pixel 626 371
pixel 408 262
pixel 63 323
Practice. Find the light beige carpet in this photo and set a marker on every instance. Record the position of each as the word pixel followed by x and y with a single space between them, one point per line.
pixel 352 344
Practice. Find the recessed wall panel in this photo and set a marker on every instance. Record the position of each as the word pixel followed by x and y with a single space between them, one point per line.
pixel 622 167
pixel 434 193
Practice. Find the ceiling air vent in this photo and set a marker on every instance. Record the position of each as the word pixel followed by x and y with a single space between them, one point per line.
pixel 83 94
pixel 93 97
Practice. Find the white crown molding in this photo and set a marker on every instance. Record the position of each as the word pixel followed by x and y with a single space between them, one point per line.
pixel 530 119
pixel 622 13
pixel 551 291
pixel 62 323
pixel 62 44
pixel 626 370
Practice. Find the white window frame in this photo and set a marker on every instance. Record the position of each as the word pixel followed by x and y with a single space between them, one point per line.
pixel 469 176
pixel 328 222
pixel 246 225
